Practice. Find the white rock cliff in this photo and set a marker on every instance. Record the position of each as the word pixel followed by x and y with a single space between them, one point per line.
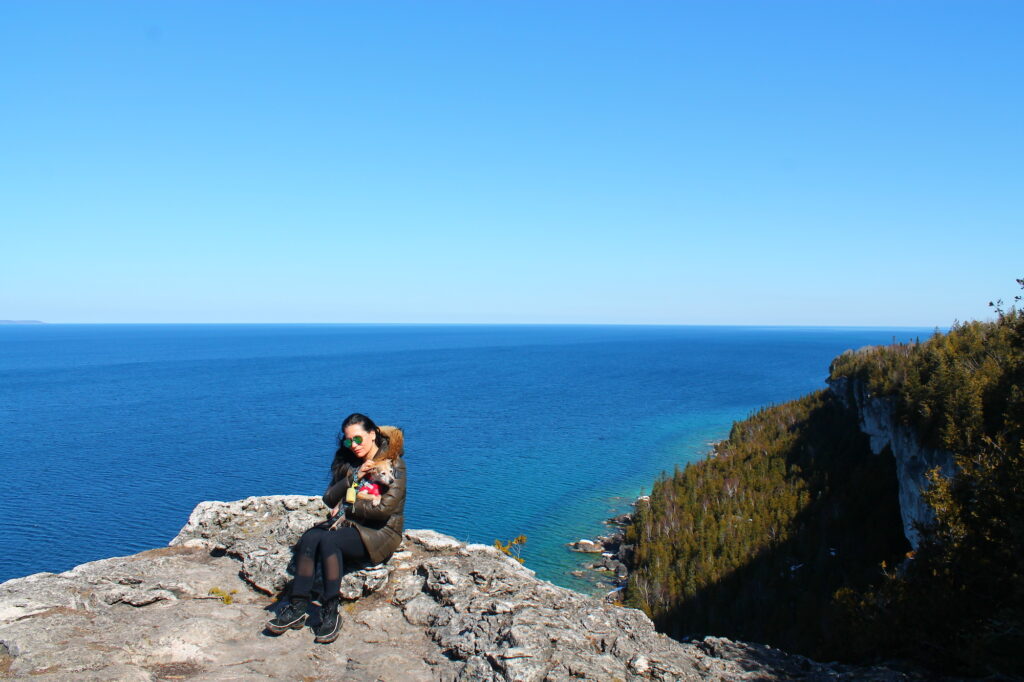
pixel 878 420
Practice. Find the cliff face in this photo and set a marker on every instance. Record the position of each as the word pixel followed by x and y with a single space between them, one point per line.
pixel 878 420
pixel 438 610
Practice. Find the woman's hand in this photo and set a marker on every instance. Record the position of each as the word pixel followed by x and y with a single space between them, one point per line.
pixel 366 466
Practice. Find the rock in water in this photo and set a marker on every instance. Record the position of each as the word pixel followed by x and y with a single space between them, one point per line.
pixel 449 611
pixel 586 546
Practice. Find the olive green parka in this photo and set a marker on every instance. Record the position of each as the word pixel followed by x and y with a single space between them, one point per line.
pixel 380 526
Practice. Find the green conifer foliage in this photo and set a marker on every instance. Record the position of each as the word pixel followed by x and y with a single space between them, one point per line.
pixel 958 605
pixel 753 541
pixel 789 532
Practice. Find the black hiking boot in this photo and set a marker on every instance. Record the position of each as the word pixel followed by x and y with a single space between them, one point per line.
pixel 330 622
pixel 291 617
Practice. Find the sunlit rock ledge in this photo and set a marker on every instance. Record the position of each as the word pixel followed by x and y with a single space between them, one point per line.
pixel 439 609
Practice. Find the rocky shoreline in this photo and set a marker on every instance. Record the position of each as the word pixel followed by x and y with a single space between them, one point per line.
pixel 613 567
pixel 610 572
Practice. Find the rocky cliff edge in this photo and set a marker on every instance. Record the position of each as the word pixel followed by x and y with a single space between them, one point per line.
pixel 879 421
pixel 440 609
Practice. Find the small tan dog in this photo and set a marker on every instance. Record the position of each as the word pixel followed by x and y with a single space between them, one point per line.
pixel 378 477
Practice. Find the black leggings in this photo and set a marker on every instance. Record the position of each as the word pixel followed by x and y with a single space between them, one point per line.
pixel 332 547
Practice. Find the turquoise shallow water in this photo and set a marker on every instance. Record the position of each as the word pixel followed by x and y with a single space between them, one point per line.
pixel 112 433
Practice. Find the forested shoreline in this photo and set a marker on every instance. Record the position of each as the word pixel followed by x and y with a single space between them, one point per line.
pixel 754 540
pixel 789 532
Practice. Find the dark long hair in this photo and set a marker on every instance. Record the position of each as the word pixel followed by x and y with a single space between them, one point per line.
pixel 343 456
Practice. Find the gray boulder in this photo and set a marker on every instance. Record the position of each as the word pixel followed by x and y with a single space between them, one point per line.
pixel 586 546
pixel 260 532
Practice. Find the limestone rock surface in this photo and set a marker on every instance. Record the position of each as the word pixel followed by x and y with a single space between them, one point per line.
pixel 878 420
pixel 260 532
pixel 447 611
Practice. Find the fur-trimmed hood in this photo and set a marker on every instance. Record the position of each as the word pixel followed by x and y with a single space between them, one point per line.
pixel 396 443
pixel 344 458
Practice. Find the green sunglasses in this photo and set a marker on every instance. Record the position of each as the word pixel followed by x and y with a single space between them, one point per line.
pixel 358 440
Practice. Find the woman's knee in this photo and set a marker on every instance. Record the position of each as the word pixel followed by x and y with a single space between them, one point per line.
pixel 310 540
pixel 344 541
pixel 330 544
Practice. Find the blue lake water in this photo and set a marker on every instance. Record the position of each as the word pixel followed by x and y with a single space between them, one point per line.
pixel 110 434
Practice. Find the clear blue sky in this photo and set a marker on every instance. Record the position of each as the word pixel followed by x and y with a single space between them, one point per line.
pixel 771 162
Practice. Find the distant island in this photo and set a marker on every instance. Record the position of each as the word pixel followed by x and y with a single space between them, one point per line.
pixel 22 322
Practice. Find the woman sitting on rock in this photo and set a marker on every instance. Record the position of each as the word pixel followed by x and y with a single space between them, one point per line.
pixel 367 501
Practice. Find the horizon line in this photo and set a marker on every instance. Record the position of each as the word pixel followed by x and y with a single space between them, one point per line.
pixel 33 323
